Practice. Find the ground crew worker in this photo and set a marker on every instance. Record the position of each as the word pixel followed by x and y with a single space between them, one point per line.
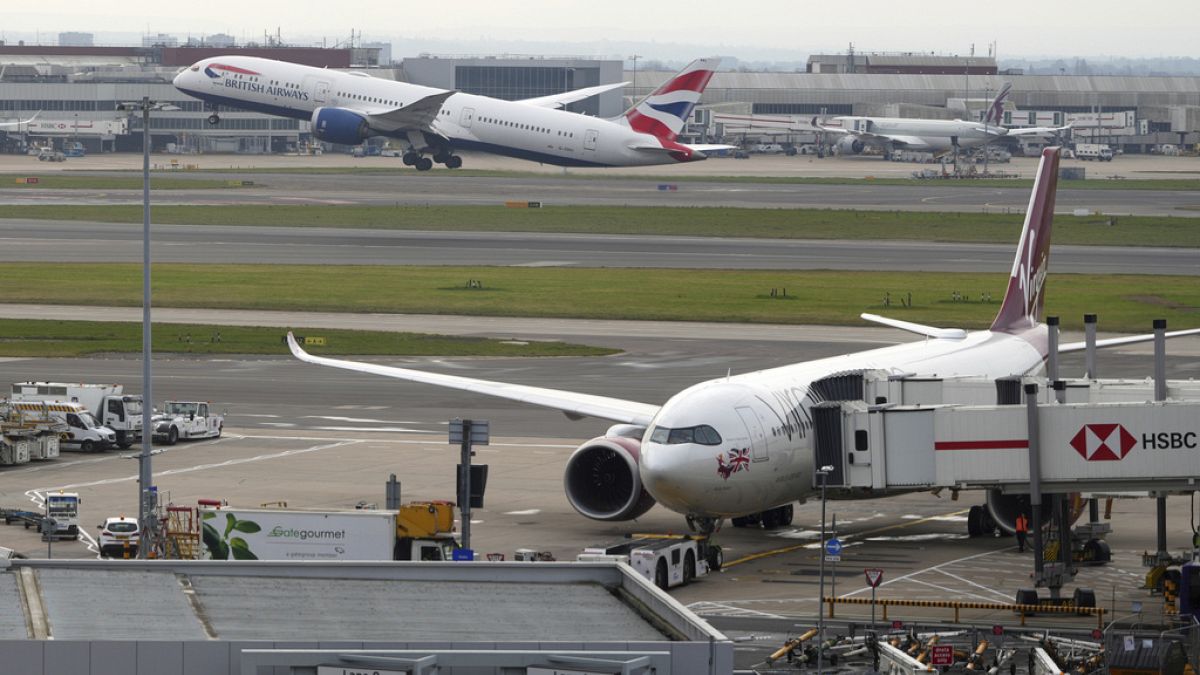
pixel 1022 530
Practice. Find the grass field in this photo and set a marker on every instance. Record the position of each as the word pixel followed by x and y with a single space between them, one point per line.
pixel 81 338
pixel 1125 302
pixel 703 221
pixel 55 182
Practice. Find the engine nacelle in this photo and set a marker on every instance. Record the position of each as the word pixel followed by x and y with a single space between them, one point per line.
pixel 850 146
pixel 602 480
pixel 338 125
pixel 1006 507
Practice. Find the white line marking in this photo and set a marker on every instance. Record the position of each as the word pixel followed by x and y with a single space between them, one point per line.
pixel 953 591
pixel 928 569
pixel 1006 596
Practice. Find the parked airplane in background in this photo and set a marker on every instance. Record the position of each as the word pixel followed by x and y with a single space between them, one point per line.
pixel 19 123
pixel 741 445
pixel 349 107
pixel 921 135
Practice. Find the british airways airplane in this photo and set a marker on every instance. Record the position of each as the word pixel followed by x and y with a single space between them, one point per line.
pixel 741 446
pixel 433 124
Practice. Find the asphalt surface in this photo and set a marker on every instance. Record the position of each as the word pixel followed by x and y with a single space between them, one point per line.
pixel 71 241
pixel 446 188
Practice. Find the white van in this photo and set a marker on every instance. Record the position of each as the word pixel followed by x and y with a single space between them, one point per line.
pixel 83 430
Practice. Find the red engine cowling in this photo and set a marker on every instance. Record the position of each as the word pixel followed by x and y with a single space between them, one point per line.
pixel 602 481
pixel 1005 508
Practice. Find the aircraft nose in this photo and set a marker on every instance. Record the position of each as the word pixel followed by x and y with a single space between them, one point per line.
pixel 668 475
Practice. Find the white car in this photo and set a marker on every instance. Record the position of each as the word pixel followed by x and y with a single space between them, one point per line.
pixel 118 536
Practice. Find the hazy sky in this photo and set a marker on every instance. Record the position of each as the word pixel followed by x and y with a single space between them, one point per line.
pixel 1048 27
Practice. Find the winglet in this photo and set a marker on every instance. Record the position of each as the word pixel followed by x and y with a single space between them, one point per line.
pixel 1023 301
pixel 295 347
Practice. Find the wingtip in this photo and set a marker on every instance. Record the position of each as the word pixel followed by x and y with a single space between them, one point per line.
pixel 295 346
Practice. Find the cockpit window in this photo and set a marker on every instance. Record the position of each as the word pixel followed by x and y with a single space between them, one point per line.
pixel 703 434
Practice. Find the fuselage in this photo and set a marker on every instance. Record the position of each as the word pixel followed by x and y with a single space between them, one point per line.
pixel 465 122
pixel 926 135
pixel 755 449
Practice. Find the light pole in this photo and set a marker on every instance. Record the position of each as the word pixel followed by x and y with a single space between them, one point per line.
pixel 146 494
pixel 823 472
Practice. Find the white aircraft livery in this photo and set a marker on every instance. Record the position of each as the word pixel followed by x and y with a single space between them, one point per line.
pixel 349 107
pixel 936 136
pixel 741 446
pixel 19 123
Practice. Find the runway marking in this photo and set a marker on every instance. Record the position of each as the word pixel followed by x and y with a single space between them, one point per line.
pixel 363 420
pixel 937 567
pixel 398 430
pixel 951 591
pixel 979 586
pixel 730 610
pixel 868 533
pixel 526 512
pixel 546 263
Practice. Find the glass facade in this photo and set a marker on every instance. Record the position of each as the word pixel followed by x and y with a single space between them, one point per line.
pixel 513 83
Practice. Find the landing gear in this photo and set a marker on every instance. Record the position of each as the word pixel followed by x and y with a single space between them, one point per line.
pixel 423 164
pixel 214 119
pixel 453 162
pixel 780 516
pixel 410 158
pixel 703 524
pixel 980 522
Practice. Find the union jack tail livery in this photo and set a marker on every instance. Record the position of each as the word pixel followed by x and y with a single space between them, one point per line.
pixel 663 113
pixel 1022 308
pixel 995 113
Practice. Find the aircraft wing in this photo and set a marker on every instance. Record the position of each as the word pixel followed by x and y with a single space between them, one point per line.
pixel 919 329
pixel 418 115
pixel 1037 131
pixel 572 403
pixel 561 100
pixel 18 123
pixel 1068 347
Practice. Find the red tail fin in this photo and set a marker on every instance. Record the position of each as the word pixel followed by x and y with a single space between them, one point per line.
pixel 1022 308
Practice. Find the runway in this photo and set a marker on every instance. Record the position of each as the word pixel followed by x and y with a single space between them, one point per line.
pixel 446 188
pixel 82 242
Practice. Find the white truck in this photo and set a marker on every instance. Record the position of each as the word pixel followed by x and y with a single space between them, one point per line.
pixel 187 420
pixel 418 531
pixel 665 560
pixel 83 430
pixel 1093 151
pixel 107 403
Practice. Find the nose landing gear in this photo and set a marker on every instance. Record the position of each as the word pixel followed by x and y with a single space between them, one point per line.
pixel 780 516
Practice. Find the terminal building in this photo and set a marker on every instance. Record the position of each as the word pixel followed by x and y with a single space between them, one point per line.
pixel 74 90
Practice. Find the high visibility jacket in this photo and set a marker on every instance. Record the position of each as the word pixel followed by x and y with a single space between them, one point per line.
pixel 1022 524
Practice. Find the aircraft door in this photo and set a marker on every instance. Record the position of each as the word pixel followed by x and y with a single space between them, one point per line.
pixel 589 139
pixel 468 115
pixel 754 427
pixel 320 89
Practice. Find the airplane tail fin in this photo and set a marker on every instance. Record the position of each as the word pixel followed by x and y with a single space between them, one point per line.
pixel 665 110
pixel 1022 307
pixel 995 113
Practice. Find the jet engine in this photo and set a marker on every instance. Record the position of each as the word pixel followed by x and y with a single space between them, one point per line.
pixel 850 146
pixel 338 125
pixel 1005 508
pixel 602 480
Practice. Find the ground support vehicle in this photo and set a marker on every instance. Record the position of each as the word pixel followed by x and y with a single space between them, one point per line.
pixel 119 537
pixel 50 155
pixel 28 436
pixel 666 560
pixel 63 509
pixel 416 531
pixel 106 402
pixel 1093 151
pixel 82 429
pixel 186 420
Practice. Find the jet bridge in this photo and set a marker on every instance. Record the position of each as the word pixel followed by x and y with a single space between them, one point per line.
pixel 1108 435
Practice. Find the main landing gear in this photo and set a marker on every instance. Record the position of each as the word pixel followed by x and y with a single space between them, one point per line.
pixel 422 163
pixel 214 119
pixel 771 519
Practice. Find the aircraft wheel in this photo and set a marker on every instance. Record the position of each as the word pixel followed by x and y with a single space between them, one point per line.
pixel 770 519
pixel 739 521
pixel 410 158
pixel 975 521
pixel 786 513
pixel 214 119
pixel 424 164
pixel 715 558
pixel 453 162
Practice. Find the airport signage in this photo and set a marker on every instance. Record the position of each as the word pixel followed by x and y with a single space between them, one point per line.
pixel 874 576
pixel 997 630
pixel 833 547
pixel 479 431
pixel 941 655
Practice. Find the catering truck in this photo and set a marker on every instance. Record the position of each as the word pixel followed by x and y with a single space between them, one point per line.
pixel 107 403
pixel 417 531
